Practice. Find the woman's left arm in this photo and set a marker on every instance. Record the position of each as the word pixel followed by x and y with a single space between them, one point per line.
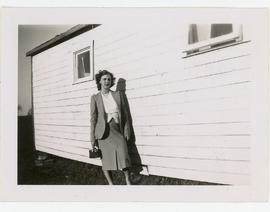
pixel 126 119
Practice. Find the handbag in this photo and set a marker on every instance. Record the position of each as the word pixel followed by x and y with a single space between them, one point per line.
pixel 95 153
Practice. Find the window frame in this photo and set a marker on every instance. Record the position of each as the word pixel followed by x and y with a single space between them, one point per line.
pixel 236 36
pixel 75 65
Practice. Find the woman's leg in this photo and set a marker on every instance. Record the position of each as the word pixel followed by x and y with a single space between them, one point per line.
pixel 127 176
pixel 108 176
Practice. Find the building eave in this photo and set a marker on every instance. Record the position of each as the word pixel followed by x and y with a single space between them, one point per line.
pixel 71 33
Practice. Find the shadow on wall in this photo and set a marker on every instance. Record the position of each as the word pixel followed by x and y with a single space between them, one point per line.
pixel 132 148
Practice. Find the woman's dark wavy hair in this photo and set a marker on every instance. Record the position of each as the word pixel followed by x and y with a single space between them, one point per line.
pixel 102 73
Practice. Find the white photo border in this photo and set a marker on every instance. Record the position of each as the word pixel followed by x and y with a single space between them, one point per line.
pixel 10 191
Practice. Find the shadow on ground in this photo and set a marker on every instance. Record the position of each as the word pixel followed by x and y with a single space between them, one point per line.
pixel 60 171
pixel 63 171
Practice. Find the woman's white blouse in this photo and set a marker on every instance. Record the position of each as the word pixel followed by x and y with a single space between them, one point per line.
pixel 110 107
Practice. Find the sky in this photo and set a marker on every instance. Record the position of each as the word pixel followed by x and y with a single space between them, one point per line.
pixel 31 36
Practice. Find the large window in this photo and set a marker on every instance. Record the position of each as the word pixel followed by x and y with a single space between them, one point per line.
pixel 207 37
pixel 83 65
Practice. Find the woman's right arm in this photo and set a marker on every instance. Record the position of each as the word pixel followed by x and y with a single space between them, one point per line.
pixel 93 119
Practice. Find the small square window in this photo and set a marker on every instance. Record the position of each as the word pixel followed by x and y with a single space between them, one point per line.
pixel 207 37
pixel 83 65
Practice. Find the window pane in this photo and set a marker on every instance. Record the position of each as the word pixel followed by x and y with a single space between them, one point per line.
pixel 192 34
pixel 198 32
pixel 83 61
pixel 202 32
pixel 220 29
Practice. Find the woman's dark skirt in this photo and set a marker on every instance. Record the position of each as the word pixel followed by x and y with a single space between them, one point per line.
pixel 114 148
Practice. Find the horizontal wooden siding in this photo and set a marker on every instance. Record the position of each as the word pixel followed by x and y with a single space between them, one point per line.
pixel 190 116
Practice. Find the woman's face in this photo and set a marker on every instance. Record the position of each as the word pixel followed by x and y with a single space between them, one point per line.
pixel 106 82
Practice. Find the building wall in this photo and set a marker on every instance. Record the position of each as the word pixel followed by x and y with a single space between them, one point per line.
pixel 190 115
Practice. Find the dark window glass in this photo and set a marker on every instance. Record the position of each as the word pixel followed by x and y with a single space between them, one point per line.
pixel 83 65
pixel 201 32
pixel 192 34
pixel 220 29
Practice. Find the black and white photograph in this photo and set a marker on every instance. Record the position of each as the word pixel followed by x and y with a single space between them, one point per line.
pixel 140 98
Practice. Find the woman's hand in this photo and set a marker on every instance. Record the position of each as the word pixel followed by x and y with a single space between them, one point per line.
pixel 127 132
pixel 94 144
pixel 127 137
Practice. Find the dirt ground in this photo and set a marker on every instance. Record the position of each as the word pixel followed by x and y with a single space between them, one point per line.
pixel 60 171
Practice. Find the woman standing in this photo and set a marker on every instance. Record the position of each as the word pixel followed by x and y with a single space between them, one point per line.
pixel 110 126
